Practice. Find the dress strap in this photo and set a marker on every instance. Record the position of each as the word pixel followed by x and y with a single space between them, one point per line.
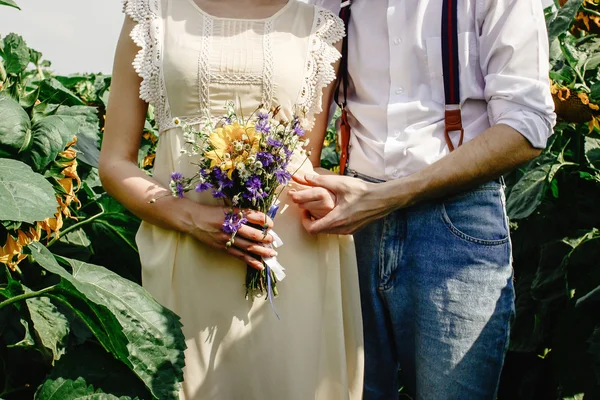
pixel 148 35
pixel 328 29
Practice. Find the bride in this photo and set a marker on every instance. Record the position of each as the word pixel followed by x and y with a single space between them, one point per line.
pixel 188 58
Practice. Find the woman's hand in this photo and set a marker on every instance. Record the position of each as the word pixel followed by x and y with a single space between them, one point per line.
pixel 206 225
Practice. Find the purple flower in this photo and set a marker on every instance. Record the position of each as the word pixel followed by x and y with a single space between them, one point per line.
pixel 179 190
pixel 217 194
pixel 253 189
pixel 233 222
pixel 222 179
pixel 297 128
pixel 274 142
pixel 176 177
pixel 203 187
pixel 204 173
pixel 283 176
pixel 287 151
pixel 262 126
pixel 253 184
pixel 176 184
pixel 263 116
pixel 265 158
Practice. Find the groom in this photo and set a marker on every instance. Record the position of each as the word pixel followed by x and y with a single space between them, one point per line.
pixel 430 224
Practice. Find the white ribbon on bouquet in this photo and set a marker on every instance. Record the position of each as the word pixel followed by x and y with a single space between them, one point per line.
pixel 276 267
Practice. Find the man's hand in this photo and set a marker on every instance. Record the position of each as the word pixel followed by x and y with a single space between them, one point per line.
pixel 356 203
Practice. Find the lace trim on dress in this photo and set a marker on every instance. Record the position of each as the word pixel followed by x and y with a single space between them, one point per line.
pixel 328 29
pixel 147 34
pixel 267 95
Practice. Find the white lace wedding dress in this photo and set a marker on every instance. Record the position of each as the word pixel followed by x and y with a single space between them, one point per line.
pixel 191 63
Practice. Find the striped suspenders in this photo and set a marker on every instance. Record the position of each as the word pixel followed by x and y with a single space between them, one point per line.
pixel 452 112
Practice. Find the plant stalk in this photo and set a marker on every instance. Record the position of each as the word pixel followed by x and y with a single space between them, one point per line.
pixel 26 296
pixel 73 227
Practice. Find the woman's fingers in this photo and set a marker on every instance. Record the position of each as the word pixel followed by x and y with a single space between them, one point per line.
pixel 258 218
pixel 253 235
pixel 254 248
pixel 247 258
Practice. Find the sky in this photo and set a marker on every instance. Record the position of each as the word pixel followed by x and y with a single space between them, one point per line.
pixel 77 36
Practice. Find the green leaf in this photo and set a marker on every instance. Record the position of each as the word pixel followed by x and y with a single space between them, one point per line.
pixel 15 53
pixel 68 389
pixel 76 238
pixel 88 134
pixel 35 57
pixel 116 223
pixel 51 326
pixel 24 195
pixel 594 350
pixel 9 3
pixel 564 19
pixel 528 192
pixel 53 92
pixel 50 136
pixel 151 333
pixel 105 374
pixel 15 128
pixel 550 283
pixel 592 150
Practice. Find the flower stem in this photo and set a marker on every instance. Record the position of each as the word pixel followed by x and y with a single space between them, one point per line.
pixel 26 296
pixel 75 226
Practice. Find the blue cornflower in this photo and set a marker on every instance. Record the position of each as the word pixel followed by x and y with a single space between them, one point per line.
pixel 297 128
pixel 274 142
pixel 203 187
pixel 265 158
pixel 283 176
pixel 179 190
pixel 233 222
pixel 222 179
pixel 176 177
pixel 217 194
pixel 262 126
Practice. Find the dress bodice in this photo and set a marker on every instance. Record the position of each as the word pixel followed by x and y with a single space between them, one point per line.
pixel 193 63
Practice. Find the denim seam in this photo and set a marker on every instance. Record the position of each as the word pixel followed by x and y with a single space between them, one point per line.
pixel 466 237
pixel 506 343
pixel 381 262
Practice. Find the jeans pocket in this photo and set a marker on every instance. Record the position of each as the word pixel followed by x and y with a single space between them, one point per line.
pixel 477 216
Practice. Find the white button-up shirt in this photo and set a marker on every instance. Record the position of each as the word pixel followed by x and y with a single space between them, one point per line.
pixel 396 98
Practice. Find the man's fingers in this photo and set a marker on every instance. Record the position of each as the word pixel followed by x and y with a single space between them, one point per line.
pixel 247 258
pixel 299 177
pixel 308 195
pixel 316 206
pixel 315 226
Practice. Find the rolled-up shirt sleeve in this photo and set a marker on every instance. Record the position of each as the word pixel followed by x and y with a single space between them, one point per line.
pixel 514 57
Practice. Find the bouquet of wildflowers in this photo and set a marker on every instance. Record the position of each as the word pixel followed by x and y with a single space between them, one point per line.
pixel 245 162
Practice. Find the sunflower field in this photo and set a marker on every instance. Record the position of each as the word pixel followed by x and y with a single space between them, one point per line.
pixel 76 324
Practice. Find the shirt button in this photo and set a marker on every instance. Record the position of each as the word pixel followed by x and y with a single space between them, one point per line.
pixel 399 90
pixel 395 173
pixel 397 40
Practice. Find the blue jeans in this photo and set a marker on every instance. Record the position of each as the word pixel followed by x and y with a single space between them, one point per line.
pixel 437 297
